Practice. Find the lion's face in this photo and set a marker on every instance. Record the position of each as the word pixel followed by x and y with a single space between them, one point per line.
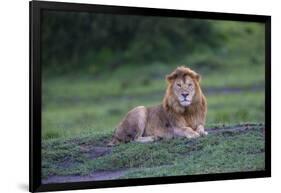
pixel 184 90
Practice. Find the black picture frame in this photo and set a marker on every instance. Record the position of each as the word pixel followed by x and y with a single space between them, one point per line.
pixel 36 8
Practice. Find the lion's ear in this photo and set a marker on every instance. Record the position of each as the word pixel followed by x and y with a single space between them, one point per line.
pixel 198 77
pixel 171 77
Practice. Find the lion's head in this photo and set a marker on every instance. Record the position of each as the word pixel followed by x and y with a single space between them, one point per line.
pixel 183 89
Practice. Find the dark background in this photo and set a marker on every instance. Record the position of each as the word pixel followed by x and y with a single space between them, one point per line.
pixel 74 40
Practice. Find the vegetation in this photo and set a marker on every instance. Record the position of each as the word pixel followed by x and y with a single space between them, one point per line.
pixel 98 41
pixel 97 67
pixel 216 153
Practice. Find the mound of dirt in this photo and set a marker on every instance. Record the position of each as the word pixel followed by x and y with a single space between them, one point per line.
pixel 94 152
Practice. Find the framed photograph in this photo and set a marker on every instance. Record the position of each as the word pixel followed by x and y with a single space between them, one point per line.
pixel 126 96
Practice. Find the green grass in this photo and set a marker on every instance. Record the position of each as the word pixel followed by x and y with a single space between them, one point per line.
pixel 91 118
pixel 216 153
pixel 58 91
pixel 213 154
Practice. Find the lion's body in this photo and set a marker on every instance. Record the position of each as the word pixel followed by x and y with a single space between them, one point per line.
pixel 170 119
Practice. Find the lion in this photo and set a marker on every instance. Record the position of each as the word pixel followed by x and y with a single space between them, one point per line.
pixel 181 114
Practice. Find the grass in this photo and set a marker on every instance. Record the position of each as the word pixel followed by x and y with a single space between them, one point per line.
pixel 214 154
pixel 223 152
pixel 58 91
pixel 74 119
pixel 80 112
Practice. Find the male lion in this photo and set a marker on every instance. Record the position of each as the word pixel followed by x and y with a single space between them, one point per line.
pixel 181 114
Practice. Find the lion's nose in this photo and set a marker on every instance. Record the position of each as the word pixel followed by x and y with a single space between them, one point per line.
pixel 185 95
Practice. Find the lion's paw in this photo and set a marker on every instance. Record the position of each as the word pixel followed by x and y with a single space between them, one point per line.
pixel 203 133
pixel 192 135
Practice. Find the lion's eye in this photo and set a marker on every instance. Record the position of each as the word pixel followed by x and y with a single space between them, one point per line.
pixel 179 85
pixel 189 84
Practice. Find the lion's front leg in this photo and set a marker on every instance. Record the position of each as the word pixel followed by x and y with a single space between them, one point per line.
pixel 187 132
pixel 200 129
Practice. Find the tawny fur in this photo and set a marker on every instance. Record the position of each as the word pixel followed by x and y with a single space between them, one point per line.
pixel 169 119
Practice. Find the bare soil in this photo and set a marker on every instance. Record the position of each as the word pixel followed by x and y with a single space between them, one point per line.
pixel 95 176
